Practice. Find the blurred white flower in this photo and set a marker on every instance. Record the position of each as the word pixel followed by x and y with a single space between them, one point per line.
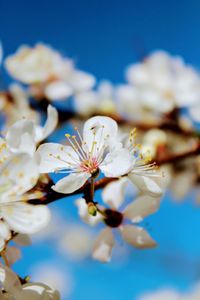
pixel 135 212
pixel 165 81
pixel 18 107
pixel 55 277
pixel 75 242
pixel 98 149
pixel 171 294
pixel 47 72
pixel 18 175
pixel 24 135
pixel 98 101
pixel 13 289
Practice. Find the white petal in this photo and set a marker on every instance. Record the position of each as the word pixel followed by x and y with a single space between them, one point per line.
pixel 147 184
pixel 84 215
pixel 105 130
pixel 9 280
pixel 71 183
pixel 20 137
pixel 4 231
pixel 13 254
pixel 52 157
pixel 38 291
pixel 117 163
pixel 86 103
pixel 137 237
pixel 22 239
pixel 50 125
pixel 141 207
pixel 103 245
pixel 26 218
pixel 58 90
pixel 2 244
pixel 82 81
pixel 113 194
pixel 19 174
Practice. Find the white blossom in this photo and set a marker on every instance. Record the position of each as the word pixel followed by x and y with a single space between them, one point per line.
pixel 47 72
pixel 14 290
pixel 98 149
pixel 24 135
pixel 134 212
pixel 18 175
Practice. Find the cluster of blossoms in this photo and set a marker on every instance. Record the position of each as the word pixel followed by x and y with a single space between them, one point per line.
pixel 101 154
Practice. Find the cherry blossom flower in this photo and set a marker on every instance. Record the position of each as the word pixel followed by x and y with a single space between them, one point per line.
pixel 143 173
pixel 13 289
pixel 15 213
pixel 17 107
pixel 24 135
pixel 98 149
pixel 135 212
pixel 165 82
pixel 49 74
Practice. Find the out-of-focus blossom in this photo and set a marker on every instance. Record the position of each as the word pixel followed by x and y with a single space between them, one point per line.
pixel 24 135
pixel 48 73
pixel 98 101
pixel 98 149
pixel 18 175
pixel 11 288
pixel 16 106
pixel 52 275
pixel 75 242
pixel 157 86
pixel 135 212
pixel 171 294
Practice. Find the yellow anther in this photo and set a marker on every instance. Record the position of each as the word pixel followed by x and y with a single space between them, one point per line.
pixel 67 135
pixel 73 136
pixel 21 174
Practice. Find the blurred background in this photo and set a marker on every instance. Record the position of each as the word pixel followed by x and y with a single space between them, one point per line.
pixel 103 37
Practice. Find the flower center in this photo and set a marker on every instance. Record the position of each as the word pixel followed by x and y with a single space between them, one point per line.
pixel 90 166
pixel 113 218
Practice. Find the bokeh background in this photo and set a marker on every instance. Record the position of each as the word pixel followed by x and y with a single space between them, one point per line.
pixel 103 37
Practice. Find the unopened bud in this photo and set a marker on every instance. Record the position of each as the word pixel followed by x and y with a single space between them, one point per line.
pixel 92 210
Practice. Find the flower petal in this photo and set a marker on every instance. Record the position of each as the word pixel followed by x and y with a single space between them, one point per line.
pixel 147 184
pixel 53 157
pixel 84 215
pixel 49 126
pixel 82 81
pixel 113 194
pixel 26 218
pixel 9 280
pixel 137 237
pixel 58 90
pixel 103 245
pixel 141 207
pixel 71 183
pixel 105 130
pixel 19 174
pixel 20 137
pixel 38 291
pixel 117 163
pixel 4 231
